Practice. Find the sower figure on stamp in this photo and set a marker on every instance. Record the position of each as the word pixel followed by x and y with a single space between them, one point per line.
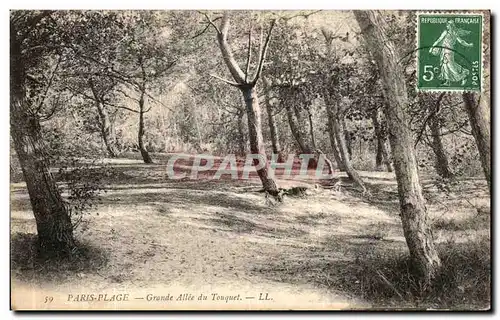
pixel 451 71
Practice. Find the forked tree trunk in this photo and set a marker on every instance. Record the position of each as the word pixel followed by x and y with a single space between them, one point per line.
pixel 383 155
pixel 105 125
pixel 248 88
pixel 441 161
pixel 107 130
pixel 414 216
pixel 331 133
pixel 140 136
pixel 479 118
pixel 53 222
pixel 256 140
pixel 272 124
pixel 337 136
pixel 296 123
pixel 343 150
pixel 295 129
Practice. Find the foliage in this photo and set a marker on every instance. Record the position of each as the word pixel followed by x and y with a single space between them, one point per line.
pixel 91 73
pixel 84 184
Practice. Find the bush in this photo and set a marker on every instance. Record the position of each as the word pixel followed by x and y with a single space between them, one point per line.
pixel 84 183
pixel 80 175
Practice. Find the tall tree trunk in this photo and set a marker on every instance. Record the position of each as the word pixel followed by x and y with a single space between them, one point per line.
pixel 379 157
pixel 241 133
pixel 53 222
pixel 383 155
pixel 441 162
pixel 311 129
pixel 140 137
pixel 107 130
pixel 343 150
pixel 105 125
pixel 199 139
pixel 331 133
pixel 248 88
pixel 414 216
pixel 479 118
pixel 256 140
pixel 294 127
pixel 296 123
pixel 272 123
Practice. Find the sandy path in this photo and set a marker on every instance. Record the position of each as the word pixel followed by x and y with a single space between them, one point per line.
pixel 164 240
pixel 186 239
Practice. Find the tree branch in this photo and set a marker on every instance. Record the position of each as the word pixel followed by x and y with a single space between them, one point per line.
pixel 206 28
pixel 127 95
pixel 432 113
pixel 305 15
pixel 111 72
pixel 44 96
pixel 234 84
pixel 122 107
pixel 263 52
pixel 227 53
pixel 249 53
pixel 210 22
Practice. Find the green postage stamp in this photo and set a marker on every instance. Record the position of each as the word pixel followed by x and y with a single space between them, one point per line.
pixel 449 51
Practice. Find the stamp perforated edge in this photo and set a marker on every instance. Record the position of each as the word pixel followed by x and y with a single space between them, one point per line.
pixel 417 40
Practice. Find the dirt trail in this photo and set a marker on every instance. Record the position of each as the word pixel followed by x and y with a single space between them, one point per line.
pixel 219 238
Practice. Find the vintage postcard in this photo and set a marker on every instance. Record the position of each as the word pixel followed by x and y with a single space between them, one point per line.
pixel 250 160
pixel 450 62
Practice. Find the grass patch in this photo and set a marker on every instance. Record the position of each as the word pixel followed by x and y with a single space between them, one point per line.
pixel 383 277
pixel 476 222
pixel 376 231
pixel 463 282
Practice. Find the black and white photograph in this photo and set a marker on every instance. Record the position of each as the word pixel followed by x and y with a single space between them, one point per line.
pixel 247 160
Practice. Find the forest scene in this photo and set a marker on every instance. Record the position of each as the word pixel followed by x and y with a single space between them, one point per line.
pixel 280 154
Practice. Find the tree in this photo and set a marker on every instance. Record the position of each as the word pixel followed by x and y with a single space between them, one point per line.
pixel 414 215
pixel 292 96
pixel 372 108
pixel 334 87
pixel 105 121
pixel 273 129
pixel 441 162
pixel 247 86
pixel 91 51
pixel 146 59
pixel 30 32
pixel 478 110
pixel 383 155
pixel 296 93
